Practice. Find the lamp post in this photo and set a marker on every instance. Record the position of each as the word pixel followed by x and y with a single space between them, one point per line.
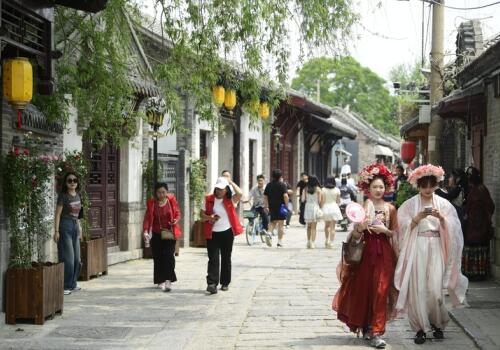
pixel 337 154
pixel 155 112
pixel 277 143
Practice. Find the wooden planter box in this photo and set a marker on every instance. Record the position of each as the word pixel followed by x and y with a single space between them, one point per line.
pixel 94 255
pixel 34 294
pixel 198 235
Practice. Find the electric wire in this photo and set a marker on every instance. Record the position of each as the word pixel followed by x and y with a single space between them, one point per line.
pixel 462 8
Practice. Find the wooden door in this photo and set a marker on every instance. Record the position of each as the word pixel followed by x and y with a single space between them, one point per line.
pixel 477 146
pixel 103 189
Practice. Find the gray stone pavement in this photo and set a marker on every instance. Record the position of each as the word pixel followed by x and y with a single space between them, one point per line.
pixel 278 298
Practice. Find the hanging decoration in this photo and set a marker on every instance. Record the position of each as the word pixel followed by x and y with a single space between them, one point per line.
pixel 264 110
pixel 218 94
pixel 230 99
pixel 18 84
pixel 408 151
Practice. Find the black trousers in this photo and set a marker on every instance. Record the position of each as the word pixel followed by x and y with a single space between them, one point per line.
pixel 163 258
pixel 301 213
pixel 220 244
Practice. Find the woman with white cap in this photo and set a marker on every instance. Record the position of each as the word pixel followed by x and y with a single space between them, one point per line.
pixel 221 225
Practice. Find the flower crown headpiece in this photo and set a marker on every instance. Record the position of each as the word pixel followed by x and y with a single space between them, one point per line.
pixel 426 170
pixel 370 172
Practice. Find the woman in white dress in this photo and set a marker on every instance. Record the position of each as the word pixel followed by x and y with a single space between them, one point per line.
pixel 431 243
pixel 312 212
pixel 331 211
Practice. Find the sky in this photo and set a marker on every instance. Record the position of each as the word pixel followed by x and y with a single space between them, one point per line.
pixel 390 31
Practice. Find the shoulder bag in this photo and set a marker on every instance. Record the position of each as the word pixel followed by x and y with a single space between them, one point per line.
pixel 352 251
pixel 165 233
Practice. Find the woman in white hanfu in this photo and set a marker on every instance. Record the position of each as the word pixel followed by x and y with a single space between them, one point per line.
pixel 431 242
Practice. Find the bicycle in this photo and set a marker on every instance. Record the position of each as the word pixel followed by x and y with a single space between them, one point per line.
pixel 254 227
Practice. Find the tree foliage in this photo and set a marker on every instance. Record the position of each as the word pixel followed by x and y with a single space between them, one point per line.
pixel 204 40
pixel 408 75
pixel 344 82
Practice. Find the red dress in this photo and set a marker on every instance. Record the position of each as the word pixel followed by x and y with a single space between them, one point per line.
pixel 365 294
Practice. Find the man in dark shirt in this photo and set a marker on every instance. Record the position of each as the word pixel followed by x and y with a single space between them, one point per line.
pixel 275 195
pixel 301 185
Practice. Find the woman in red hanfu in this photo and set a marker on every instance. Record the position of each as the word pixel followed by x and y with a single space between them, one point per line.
pixel 366 295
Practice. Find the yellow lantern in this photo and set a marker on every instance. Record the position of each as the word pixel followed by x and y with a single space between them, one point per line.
pixel 230 99
pixel 264 110
pixel 218 94
pixel 18 81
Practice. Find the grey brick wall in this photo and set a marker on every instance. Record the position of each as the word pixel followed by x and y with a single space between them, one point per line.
pixel 491 165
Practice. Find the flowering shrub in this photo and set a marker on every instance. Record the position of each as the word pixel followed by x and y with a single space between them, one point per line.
pixel 76 163
pixel 26 177
pixel 375 170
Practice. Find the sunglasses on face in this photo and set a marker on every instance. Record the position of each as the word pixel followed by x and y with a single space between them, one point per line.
pixel 72 181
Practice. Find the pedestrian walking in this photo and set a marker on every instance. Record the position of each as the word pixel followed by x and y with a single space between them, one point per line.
pixel 68 231
pixel 364 301
pixel 479 209
pixel 221 224
pixel 431 242
pixel 331 211
pixel 312 211
pixel 289 206
pixel 304 178
pixel 160 227
pixel 276 201
pixel 455 192
pixel 400 178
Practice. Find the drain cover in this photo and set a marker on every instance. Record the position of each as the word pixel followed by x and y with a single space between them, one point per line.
pixel 92 332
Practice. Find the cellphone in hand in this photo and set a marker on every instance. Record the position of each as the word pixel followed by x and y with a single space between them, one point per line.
pixel 428 209
pixel 216 217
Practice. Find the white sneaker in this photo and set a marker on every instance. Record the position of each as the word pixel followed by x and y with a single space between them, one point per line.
pixel 377 342
pixel 308 244
pixel 168 286
pixel 312 245
pixel 67 292
pixel 328 245
pixel 162 286
pixel 268 240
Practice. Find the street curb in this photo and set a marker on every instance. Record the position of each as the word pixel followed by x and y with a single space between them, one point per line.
pixel 472 331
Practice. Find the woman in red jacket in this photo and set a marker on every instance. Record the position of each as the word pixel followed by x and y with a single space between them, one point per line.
pixel 163 214
pixel 221 225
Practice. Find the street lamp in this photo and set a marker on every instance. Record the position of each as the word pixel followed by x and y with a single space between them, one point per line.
pixel 337 154
pixel 155 112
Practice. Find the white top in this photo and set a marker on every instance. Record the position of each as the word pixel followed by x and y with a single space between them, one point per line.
pixel 331 194
pixel 429 223
pixel 223 223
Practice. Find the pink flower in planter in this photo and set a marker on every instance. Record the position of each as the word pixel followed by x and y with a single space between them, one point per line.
pixel 16 151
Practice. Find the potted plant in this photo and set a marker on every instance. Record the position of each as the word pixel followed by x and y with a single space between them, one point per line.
pixel 197 191
pixel 34 287
pixel 93 249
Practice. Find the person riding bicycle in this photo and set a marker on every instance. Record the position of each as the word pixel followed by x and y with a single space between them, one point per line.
pixel 257 199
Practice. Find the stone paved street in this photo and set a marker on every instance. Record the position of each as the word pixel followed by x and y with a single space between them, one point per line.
pixel 278 298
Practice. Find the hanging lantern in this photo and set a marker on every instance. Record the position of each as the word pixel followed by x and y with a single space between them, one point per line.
pixel 408 151
pixel 18 81
pixel 264 110
pixel 155 110
pixel 218 94
pixel 230 99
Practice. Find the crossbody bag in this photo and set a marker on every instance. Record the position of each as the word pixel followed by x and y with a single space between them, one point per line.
pixel 165 233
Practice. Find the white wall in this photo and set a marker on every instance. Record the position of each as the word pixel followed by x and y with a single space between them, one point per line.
pixel 72 141
pixel 131 168
pixel 250 132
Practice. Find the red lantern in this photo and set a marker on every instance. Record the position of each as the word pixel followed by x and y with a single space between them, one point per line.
pixel 408 151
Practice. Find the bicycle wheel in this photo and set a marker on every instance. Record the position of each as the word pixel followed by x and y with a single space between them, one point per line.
pixel 248 233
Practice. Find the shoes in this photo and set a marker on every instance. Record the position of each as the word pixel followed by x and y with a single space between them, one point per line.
pixel 366 333
pixel 268 240
pixel 420 337
pixel 279 245
pixel 377 342
pixel 308 245
pixel 437 332
pixel 224 288
pixel 168 286
pixel 76 289
pixel 67 292
pixel 312 245
pixel 162 286
pixel 212 289
pixel 328 245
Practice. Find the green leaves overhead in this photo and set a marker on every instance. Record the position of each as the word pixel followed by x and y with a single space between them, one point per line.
pixel 344 82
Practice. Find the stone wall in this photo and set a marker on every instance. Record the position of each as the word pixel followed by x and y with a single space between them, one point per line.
pixel 491 168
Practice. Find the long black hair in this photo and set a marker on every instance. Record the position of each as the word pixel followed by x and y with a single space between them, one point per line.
pixel 312 184
pixel 228 194
pixel 330 182
pixel 64 187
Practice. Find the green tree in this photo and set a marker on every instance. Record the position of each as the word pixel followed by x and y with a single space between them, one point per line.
pixel 408 75
pixel 344 82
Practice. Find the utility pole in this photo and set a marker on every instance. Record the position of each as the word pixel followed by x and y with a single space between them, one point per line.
pixel 437 54
pixel 318 91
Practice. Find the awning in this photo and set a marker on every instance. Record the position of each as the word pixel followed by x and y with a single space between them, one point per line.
pixel 462 103
pixel 383 151
pixel 332 126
